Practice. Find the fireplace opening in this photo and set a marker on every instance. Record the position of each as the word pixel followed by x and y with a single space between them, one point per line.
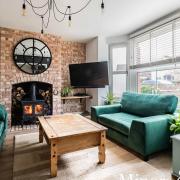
pixel 29 100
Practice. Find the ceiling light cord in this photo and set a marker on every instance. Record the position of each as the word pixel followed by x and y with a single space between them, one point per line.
pixel 69 18
pixel 54 13
pixel 72 13
pixel 38 7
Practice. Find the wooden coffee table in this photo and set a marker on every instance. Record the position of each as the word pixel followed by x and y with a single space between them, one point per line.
pixel 70 132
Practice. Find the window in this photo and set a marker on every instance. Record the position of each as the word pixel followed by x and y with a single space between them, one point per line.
pixel 119 59
pixel 177 38
pixel 160 82
pixel 147 82
pixel 119 84
pixel 142 49
pixel 161 43
pixel 155 59
pixel 158 46
pixel 118 54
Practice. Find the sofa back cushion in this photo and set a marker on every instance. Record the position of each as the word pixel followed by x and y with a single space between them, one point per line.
pixel 148 104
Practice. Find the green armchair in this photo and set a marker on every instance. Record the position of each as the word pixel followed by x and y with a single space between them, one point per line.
pixel 140 121
pixel 3 125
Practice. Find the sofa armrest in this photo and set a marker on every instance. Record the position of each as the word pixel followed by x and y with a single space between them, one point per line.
pixel 150 134
pixel 3 115
pixel 106 109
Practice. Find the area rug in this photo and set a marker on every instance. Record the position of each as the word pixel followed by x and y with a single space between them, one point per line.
pixel 31 162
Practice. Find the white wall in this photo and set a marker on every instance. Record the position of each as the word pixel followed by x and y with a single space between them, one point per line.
pixel 92 50
pixel 103 55
pixel 117 39
pixel 92 56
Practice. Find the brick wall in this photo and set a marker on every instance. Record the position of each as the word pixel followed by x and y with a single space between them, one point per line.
pixel 63 53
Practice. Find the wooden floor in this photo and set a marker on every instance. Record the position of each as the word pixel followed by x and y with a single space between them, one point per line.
pixel 6 156
pixel 161 161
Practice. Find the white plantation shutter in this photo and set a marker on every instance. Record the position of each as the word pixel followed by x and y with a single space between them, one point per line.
pixel 177 38
pixel 156 47
pixel 142 49
pixel 162 43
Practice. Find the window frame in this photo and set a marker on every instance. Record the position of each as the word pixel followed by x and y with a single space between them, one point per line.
pixel 111 72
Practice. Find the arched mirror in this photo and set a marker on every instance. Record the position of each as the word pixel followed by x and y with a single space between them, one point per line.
pixel 32 56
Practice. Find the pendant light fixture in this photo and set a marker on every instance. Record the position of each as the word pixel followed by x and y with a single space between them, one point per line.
pixel 51 7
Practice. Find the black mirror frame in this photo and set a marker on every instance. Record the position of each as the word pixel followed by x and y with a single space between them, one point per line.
pixel 27 48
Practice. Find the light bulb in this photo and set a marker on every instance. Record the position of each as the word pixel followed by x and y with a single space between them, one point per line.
pixel 102 6
pixel 42 30
pixel 69 22
pixel 24 9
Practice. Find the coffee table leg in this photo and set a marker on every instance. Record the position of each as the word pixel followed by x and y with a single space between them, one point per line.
pixel 102 154
pixel 53 159
pixel 40 134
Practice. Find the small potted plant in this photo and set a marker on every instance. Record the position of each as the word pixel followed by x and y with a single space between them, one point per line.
pixel 66 91
pixel 109 99
pixel 175 123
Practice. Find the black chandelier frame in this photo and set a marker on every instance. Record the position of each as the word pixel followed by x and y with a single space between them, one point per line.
pixel 52 5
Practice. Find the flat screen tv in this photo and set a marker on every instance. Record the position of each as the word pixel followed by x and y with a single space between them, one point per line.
pixel 89 75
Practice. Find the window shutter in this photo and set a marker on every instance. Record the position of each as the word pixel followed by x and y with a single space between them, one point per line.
pixel 162 43
pixel 177 38
pixel 142 49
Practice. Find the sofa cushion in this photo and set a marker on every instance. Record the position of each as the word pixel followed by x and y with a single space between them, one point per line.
pixel 120 122
pixel 1 127
pixel 148 104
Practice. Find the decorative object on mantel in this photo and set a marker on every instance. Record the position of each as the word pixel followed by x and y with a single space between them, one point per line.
pixel 32 56
pixel 51 5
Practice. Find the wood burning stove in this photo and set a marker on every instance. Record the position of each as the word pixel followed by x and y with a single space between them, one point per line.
pixel 31 99
pixel 32 107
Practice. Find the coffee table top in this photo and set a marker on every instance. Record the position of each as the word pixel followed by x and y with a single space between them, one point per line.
pixel 59 126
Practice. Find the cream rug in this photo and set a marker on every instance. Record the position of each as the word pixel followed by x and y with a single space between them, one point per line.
pixel 31 162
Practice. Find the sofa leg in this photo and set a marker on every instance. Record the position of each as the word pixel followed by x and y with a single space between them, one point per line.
pixel 146 158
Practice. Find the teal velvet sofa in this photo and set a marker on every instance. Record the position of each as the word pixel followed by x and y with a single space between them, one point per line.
pixel 3 125
pixel 139 122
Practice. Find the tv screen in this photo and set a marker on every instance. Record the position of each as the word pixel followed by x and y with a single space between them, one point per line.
pixel 89 75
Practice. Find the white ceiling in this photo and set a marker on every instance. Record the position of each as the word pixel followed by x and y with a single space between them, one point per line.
pixel 120 17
